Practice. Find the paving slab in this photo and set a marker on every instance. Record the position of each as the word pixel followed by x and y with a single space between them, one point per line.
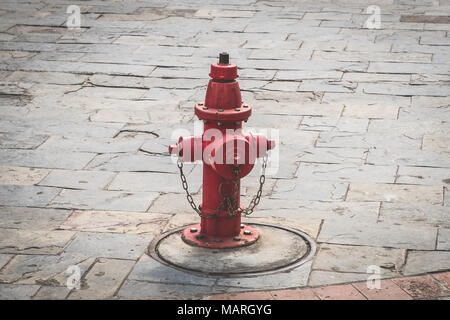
pixel 418 214
pixel 443 242
pixel 357 259
pixel 43 159
pixel 304 189
pixel 103 200
pixel 381 234
pixel 116 222
pixel 44 269
pixel 4 259
pixel 395 193
pixel 109 245
pixel 32 218
pixel 34 241
pixel 21 175
pixel 294 278
pixel 86 180
pixel 103 279
pixel 20 195
pixel 132 289
pixel 148 269
pixel 51 293
pixel 436 260
pixel 346 172
pixel 17 292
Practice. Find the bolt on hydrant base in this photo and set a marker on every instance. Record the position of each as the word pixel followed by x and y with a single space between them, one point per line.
pixel 193 236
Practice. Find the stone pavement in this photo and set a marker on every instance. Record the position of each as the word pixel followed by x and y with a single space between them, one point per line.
pixel 86 116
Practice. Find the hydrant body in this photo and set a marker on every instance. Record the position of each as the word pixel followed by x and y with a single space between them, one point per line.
pixel 228 155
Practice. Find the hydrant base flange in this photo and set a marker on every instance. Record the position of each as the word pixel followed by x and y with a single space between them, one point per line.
pixel 192 235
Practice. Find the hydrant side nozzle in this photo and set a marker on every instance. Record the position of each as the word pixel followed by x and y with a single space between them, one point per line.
pixel 173 149
pixel 270 144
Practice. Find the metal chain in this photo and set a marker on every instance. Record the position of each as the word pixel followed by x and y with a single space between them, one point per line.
pixel 229 202
pixel 255 200
pixel 186 188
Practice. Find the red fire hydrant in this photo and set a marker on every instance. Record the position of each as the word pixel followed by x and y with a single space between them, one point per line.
pixel 228 155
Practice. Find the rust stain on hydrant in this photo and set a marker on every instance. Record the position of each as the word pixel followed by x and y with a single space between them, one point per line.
pixel 227 155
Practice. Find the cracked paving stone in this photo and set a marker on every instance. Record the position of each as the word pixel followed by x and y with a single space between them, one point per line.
pixel 51 293
pixel 157 146
pixel 422 175
pixel 309 190
pixel 26 195
pixel 346 172
pixel 443 242
pixel 17 292
pixel 298 109
pixel 59 78
pixel 407 67
pixel 323 278
pixel 367 140
pixel 45 159
pixel 121 116
pixel 21 175
pixel 21 140
pixel 297 138
pixel 395 193
pixel 148 269
pixel 418 214
pixel 378 234
pixel 89 180
pixel 32 218
pixel 365 100
pixel 371 112
pixel 272 121
pixel 436 143
pixel 424 114
pixel 4 259
pixel 401 89
pixel 155 181
pixel 44 269
pixel 332 155
pixel 116 222
pixel 97 145
pixel 405 157
pixel 356 259
pixel 34 241
pixel 435 261
pixel 171 203
pixel 427 102
pixel 103 200
pixel 335 124
pixel 132 289
pixel 103 279
pixel 133 162
pixel 297 277
pixel 409 128
pixel 361 211
pixel 109 245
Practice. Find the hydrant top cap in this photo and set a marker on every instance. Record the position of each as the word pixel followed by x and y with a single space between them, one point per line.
pixel 223 70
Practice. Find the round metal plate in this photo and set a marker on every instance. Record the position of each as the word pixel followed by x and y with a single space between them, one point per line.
pixel 277 249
